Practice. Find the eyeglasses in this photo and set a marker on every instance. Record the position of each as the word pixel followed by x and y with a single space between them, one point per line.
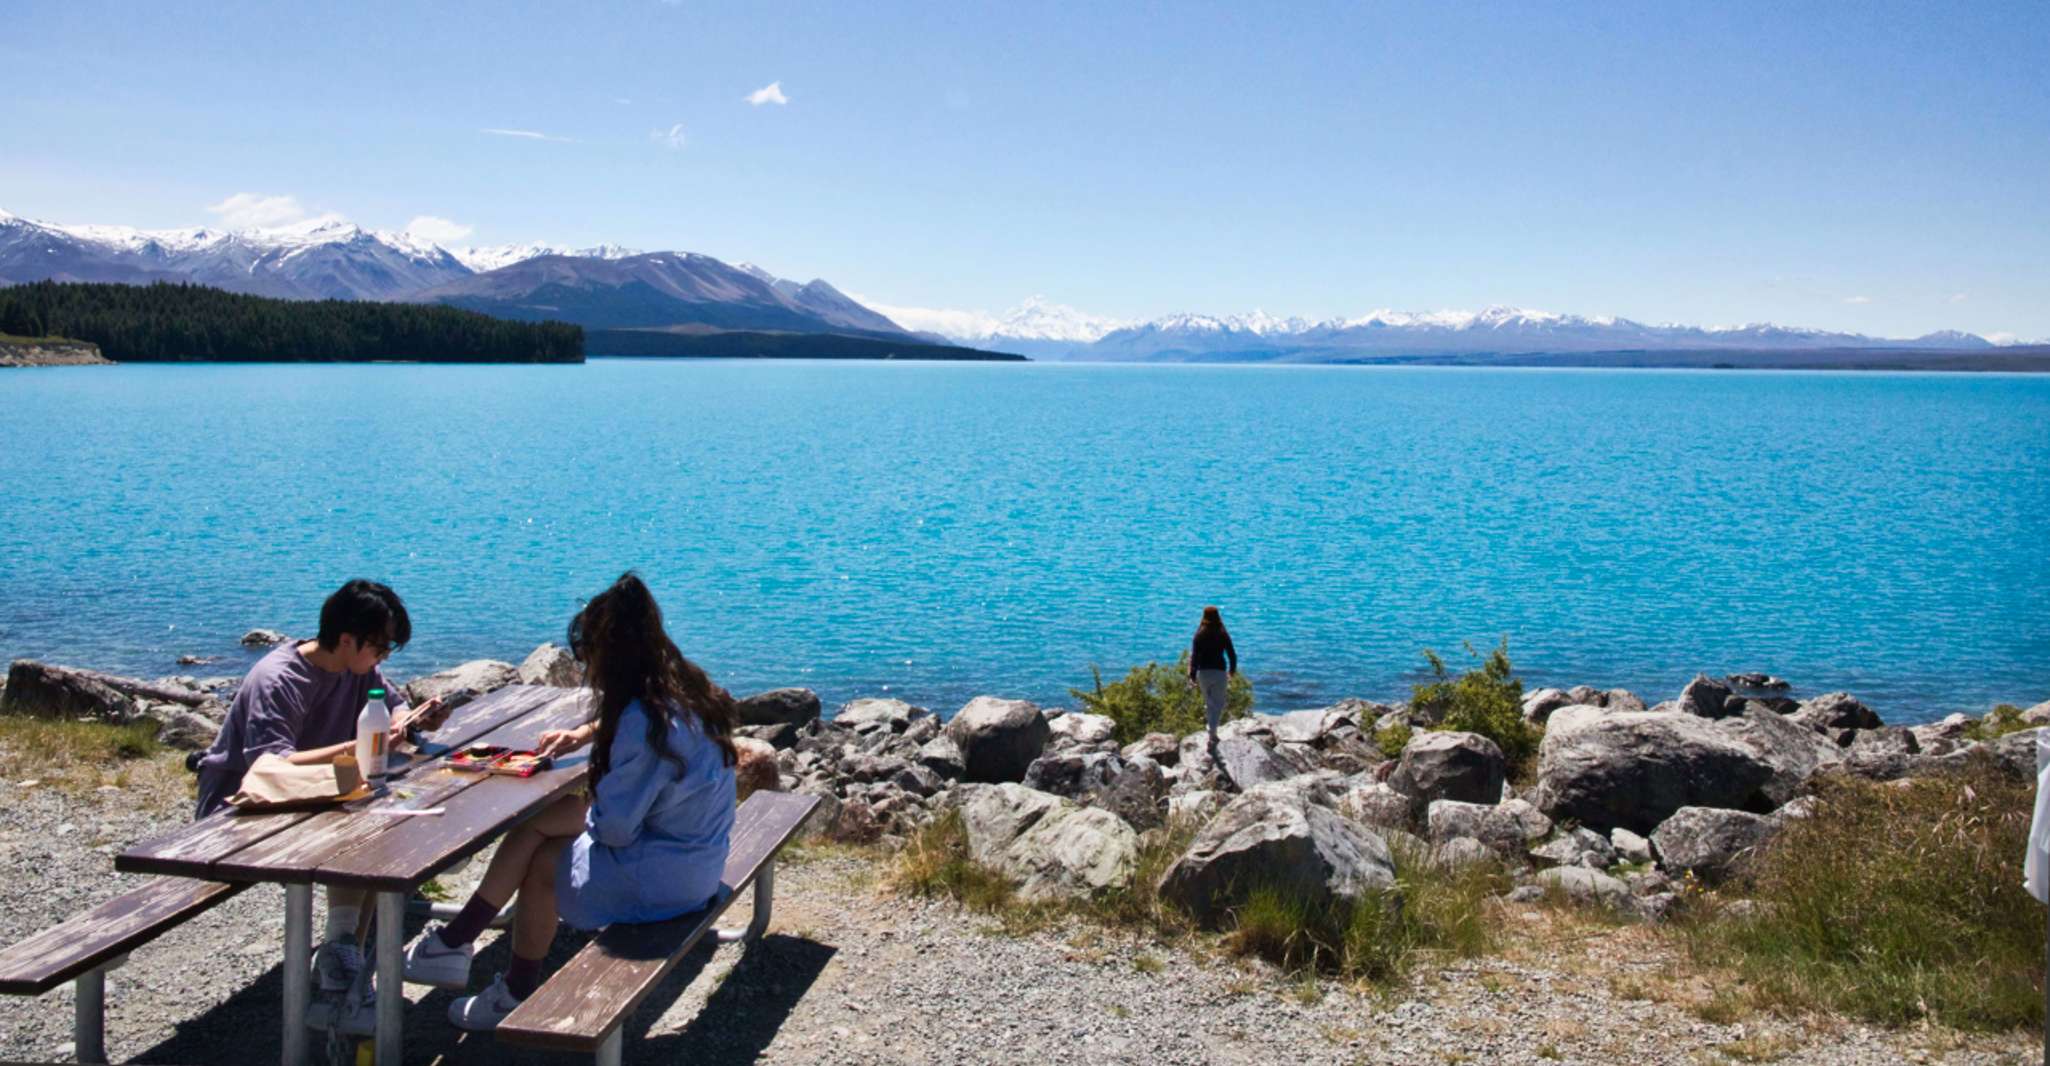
pixel 381 647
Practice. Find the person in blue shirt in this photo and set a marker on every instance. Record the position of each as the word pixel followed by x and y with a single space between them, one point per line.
pixel 650 841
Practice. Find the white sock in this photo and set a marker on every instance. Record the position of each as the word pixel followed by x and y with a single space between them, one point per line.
pixel 341 921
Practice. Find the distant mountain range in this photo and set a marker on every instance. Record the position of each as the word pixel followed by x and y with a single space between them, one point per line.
pixel 611 288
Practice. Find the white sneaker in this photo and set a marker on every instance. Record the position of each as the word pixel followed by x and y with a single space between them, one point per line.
pixel 482 1012
pixel 430 961
pixel 344 1014
pixel 336 965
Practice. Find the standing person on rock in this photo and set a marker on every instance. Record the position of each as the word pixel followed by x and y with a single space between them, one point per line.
pixel 648 843
pixel 1213 662
pixel 300 702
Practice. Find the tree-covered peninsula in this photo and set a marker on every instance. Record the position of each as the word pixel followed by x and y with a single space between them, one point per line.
pixel 167 322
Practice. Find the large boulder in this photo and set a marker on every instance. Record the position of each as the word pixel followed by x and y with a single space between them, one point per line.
pixel 998 738
pixel 49 691
pixel 1272 836
pixel 263 638
pixel 1634 770
pixel 1051 846
pixel 869 715
pixel 1793 753
pixel 550 664
pixel 1162 748
pixel 782 706
pixel 1510 827
pixel 1435 766
pixel 1708 842
pixel 1582 885
pixel 943 757
pixel 1539 705
pixel 1705 697
pixel 1073 773
pixel 1836 710
pixel 1246 763
pixel 461 684
pixel 1138 794
pixel 1375 804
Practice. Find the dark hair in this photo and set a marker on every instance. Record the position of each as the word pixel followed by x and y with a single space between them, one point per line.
pixel 1213 622
pixel 367 611
pixel 627 656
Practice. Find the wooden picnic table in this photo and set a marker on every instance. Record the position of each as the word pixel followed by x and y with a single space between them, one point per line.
pixel 359 846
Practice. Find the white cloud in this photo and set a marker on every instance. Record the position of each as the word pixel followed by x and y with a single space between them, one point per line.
pixel 531 135
pixel 621 100
pixel 673 136
pixel 247 210
pixel 943 321
pixel 436 230
pixel 1857 299
pixel 771 93
pixel 1957 297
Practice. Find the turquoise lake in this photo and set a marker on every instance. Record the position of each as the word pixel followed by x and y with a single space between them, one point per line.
pixel 934 531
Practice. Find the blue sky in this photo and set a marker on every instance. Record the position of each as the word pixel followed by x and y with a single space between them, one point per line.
pixel 1871 167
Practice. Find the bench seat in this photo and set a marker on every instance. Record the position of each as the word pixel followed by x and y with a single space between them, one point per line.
pixel 85 946
pixel 584 1005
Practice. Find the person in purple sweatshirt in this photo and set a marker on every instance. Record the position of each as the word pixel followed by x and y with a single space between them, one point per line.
pixel 300 702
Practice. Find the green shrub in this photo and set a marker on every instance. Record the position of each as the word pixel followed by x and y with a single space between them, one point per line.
pixel 1487 700
pixel 1999 722
pixel 1393 739
pixel 1896 903
pixel 1158 698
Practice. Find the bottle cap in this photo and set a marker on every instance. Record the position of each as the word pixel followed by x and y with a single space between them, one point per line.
pixel 376 693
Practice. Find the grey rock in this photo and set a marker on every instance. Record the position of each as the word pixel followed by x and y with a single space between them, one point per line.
pixel 1836 710
pixel 1196 807
pixel 1162 748
pixel 923 728
pixel 48 691
pixel 2038 715
pixel 781 737
pixel 1705 697
pixel 263 638
pixel 1073 774
pixel 1624 701
pixel 1634 770
pixel 998 738
pixel 1766 682
pixel 1078 730
pixel 1539 705
pixel 552 664
pixel 943 757
pixel 782 706
pixel 1462 852
pixel 1792 753
pixel 1247 763
pixel 1576 847
pixel 1629 846
pixel 1466 767
pixel 1582 885
pixel 917 780
pixel 1708 842
pixel 1376 804
pixel 1271 836
pixel 1298 727
pixel 1052 846
pixel 1138 794
pixel 188 731
pixel 865 768
pixel 1525 894
pixel 1585 694
pixel 1509 827
pixel 870 715
pixel 461 684
pixel 2016 753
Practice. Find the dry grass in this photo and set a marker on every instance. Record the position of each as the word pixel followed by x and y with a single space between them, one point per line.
pixel 1895 903
pixel 84 759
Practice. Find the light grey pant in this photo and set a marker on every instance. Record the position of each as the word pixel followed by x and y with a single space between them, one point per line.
pixel 1214 684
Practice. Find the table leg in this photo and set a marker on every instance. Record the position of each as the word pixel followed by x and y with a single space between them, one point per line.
pixel 89 1018
pixel 391 979
pixel 298 970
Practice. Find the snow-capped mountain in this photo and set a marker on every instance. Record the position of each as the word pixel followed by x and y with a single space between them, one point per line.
pixel 1261 337
pixel 483 260
pixel 1037 327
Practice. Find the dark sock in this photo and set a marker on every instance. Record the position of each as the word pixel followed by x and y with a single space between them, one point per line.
pixel 469 922
pixel 523 977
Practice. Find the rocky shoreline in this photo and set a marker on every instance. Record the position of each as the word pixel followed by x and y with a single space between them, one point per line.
pixel 1623 800
pixel 20 352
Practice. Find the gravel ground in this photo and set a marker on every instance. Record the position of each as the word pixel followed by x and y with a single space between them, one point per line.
pixel 850 975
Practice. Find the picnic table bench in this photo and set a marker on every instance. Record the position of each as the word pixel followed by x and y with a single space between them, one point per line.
pixel 584 1006
pixel 84 947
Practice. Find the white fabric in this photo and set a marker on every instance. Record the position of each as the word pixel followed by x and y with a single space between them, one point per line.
pixel 2036 866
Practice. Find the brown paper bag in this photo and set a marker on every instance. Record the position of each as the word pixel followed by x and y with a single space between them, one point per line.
pixel 274 783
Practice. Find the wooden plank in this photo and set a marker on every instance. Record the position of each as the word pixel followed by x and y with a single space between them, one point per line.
pixel 116 927
pixel 193 850
pixel 400 858
pixel 600 988
pixel 292 856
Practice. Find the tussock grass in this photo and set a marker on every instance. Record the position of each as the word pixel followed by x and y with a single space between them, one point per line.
pixel 1894 903
pixel 1432 912
pixel 1999 722
pixel 80 757
pixel 1158 698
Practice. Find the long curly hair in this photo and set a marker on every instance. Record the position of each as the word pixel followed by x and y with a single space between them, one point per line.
pixel 628 656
